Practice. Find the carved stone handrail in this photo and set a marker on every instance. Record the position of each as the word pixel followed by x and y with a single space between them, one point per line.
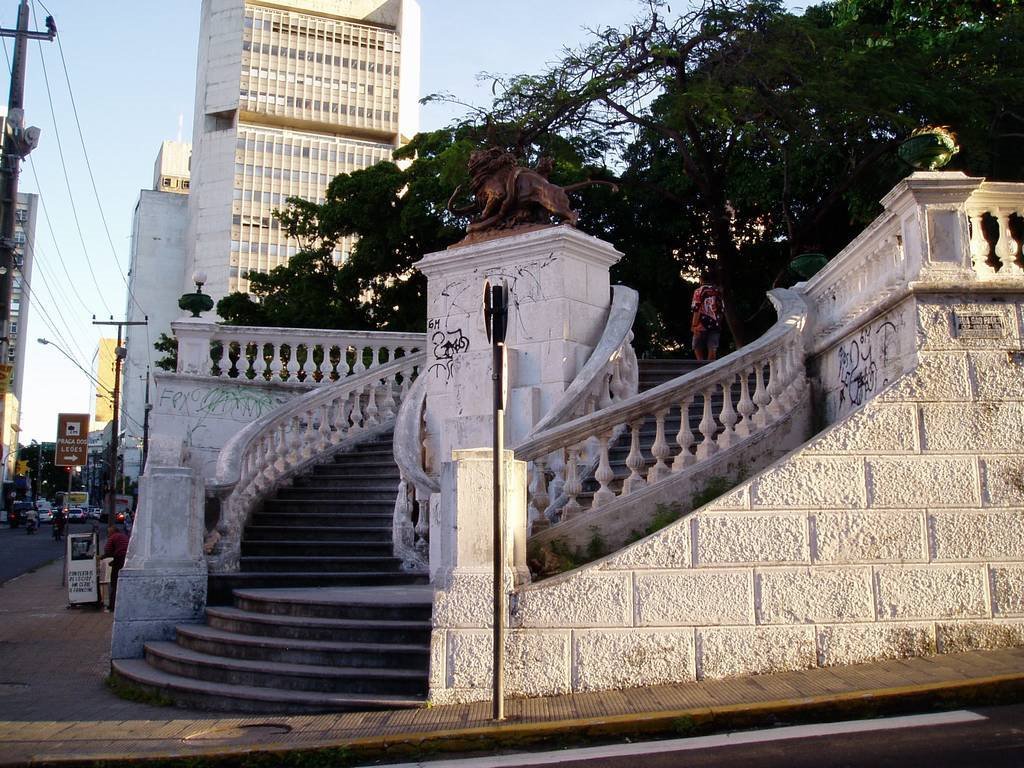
pixel 268 451
pixel 310 357
pixel 411 526
pixel 775 363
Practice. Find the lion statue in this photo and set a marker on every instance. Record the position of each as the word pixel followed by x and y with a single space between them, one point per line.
pixel 507 195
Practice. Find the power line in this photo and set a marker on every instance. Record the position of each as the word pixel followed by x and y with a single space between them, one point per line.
pixel 67 182
pixel 53 237
pixel 34 294
pixel 88 165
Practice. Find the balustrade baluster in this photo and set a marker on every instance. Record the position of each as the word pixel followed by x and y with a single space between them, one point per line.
pixel 796 373
pixel 635 461
pixel 359 419
pixel 422 529
pixel 309 434
pixel 708 427
pixel 1006 247
pixel 745 405
pixel 372 410
pixel 387 399
pixel 359 366
pixel 539 498
pixel 323 441
pixel 660 450
pixel 761 397
pixel 604 474
pixel 980 248
pixel 605 387
pixel 295 443
pixel 572 486
pixel 727 416
pixel 684 437
pixel 775 408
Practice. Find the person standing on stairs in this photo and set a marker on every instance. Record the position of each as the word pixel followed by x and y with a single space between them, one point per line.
pixel 706 323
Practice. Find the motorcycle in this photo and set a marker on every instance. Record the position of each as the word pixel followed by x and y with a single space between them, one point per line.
pixel 30 526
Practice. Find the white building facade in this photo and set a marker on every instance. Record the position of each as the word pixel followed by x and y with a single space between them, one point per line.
pixel 289 94
pixel 158 248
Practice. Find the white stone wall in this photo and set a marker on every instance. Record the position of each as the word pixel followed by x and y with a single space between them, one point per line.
pixel 899 531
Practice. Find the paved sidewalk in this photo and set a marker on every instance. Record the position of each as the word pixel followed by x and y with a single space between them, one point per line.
pixel 55 707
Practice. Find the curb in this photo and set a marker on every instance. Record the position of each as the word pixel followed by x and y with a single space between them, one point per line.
pixel 696 721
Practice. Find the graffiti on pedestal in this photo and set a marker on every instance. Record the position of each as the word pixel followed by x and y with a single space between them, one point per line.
pixel 228 402
pixel 446 346
pixel 864 361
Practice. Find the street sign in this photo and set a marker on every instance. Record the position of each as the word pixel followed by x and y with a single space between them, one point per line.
pixel 72 440
pixel 6 373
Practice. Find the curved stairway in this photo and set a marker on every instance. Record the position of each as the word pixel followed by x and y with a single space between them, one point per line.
pixel 321 615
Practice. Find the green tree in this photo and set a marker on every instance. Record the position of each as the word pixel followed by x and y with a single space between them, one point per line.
pixel 772 133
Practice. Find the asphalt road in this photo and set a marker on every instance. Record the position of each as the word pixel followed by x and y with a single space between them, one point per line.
pixel 990 737
pixel 21 553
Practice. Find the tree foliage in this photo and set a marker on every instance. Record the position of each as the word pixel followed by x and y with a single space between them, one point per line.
pixel 743 135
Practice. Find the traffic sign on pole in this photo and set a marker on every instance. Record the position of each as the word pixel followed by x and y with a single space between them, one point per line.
pixel 72 448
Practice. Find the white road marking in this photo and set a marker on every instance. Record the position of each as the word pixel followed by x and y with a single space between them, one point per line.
pixel 700 742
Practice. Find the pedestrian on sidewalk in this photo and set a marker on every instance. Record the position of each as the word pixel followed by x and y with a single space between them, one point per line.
pixel 706 323
pixel 116 548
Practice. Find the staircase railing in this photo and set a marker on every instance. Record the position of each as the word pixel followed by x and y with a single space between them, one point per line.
pixel 771 379
pixel 412 526
pixel 270 450
pixel 610 375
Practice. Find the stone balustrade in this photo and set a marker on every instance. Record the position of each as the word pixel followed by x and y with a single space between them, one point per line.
pixel 289 355
pixel 768 374
pixel 937 227
pixel 996 215
pixel 286 441
pixel 411 526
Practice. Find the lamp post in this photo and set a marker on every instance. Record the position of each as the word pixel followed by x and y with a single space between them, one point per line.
pixel 39 467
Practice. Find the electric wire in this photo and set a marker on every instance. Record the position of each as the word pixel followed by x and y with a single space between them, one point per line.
pixel 34 294
pixel 88 165
pixel 53 237
pixel 67 182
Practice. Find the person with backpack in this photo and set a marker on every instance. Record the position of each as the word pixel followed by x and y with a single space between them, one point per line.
pixel 706 324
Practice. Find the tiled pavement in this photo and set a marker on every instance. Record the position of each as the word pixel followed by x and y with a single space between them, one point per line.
pixel 55 707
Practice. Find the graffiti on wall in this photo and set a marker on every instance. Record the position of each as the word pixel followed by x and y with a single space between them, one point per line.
pixel 864 363
pixel 446 346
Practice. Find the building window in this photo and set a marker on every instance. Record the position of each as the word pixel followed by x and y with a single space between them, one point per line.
pixel 184 184
pixel 167 181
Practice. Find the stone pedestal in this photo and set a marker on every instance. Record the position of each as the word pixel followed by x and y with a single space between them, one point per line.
pixel 163 582
pixel 559 295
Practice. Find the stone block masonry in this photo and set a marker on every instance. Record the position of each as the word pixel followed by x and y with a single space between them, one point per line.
pixel 896 532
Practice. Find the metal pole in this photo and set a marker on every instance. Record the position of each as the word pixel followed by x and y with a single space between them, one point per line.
pixel 39 468
pixel 497 327
pixel 115 435
pixel 145 427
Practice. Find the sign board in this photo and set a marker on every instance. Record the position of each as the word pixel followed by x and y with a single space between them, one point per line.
pixel 81 566
pixel 6 374
pixel 979 326
pixel 72 440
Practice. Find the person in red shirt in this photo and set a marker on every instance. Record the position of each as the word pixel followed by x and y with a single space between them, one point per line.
pixel 706 323
pixel 116 548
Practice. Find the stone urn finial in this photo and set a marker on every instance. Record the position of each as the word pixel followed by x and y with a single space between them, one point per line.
pixel 196 302
pixel 929 148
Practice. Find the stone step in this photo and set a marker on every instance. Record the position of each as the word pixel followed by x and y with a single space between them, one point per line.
pixel 221 586
pixel 326 513
pixel 378 451
pixel 375 630
pixel 318 564
pixel 376 492
pixel 327 546
pixel 220 697
pixel 358 464
pixel 331 653
pixel 413 602
pixel 380 534
pixel 176 660
pixel 348 480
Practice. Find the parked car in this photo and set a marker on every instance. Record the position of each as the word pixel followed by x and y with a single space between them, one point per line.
pixel 77 515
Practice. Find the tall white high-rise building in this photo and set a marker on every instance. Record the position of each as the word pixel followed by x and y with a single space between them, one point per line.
pixel 158 249
pixel 289 93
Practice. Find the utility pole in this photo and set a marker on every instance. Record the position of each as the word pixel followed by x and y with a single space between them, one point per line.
pixel 18 141
pixel 119 355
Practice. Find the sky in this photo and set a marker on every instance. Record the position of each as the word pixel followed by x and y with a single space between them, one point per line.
pixel 131 68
